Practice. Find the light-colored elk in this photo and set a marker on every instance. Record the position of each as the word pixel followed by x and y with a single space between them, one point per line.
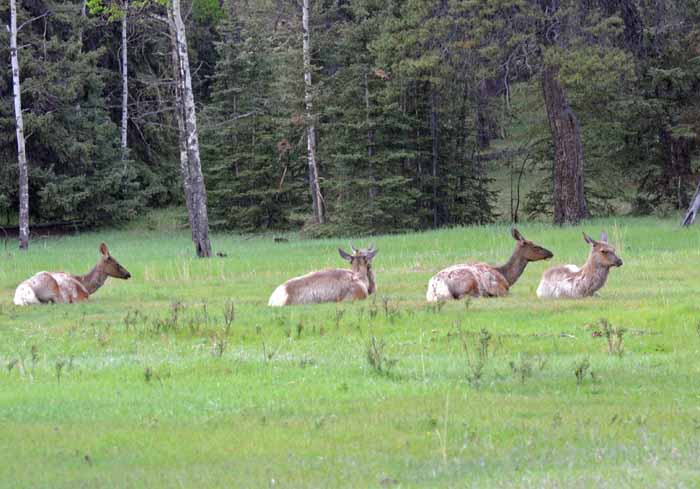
pixel 572 281
pixel 331 285
pixel 60 287
pixel 482 280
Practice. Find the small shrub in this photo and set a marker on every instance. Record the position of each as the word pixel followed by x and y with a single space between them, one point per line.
pixel 615 336
pixel 59 369
pixel 130 320
pixel 376 356
pixel 339 313
pixel 229 315
pixel 219 345
pixel 476 358
pixel 581 370
pixel 373 307
pixel 522 369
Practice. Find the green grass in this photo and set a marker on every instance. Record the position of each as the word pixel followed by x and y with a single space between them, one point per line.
pixel 118 394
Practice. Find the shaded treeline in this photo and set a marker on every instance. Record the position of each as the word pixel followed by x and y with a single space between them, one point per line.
pixel 408 101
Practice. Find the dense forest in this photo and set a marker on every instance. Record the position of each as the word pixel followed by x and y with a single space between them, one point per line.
pixel 346 116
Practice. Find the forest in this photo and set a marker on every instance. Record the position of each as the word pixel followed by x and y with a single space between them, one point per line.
pixel 343 117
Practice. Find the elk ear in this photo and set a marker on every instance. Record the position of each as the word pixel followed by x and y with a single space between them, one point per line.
pixel 516 235
pixel 104 250
pixel 370 254
pixel 344 255
pixel 604 237
pixel 588 239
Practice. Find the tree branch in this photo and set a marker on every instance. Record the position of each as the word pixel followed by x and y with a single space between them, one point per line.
pixel 21 26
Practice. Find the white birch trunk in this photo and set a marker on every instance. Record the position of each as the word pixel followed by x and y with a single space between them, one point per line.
pixel 19 122
pixel 316 197
pixel 194 179
pixel 83 16
pixel 180 117
pixel 125 83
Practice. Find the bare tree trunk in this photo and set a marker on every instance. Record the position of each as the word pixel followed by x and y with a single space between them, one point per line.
pixel 196 194
pixel 677 171
pixel 486 126
pixel 125 83
pixel 19 122
pixel 434 138
pixel 569 199
pixel 370 142
pixel 693 209
pixel 181 134
pixel 83 17
pixel 316 196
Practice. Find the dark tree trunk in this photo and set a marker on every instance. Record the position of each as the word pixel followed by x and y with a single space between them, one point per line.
pixel 486 125
pixel 569 199
pixel 677 171
pixel 634 26
pixel 370 142
pixel 434 135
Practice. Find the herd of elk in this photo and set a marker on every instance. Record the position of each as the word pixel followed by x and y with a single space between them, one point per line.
pixel 330 285
pixel 482 280
pixel 60 287
pixel 357 283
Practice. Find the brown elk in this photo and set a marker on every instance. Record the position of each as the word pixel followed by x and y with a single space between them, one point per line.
pixel 482 280
pixel 60 287
pixel 331 285
pixel 572 281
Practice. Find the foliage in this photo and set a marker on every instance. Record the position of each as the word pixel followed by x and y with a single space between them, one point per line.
pixel 414 102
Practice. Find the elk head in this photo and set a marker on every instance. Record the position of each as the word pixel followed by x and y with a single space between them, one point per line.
pixel 602 253
pixel 110 266
pixel 360 260
pixel 530 250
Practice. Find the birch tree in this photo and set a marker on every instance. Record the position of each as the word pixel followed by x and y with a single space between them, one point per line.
pixel 190 161
pixel 19 123
pixel 117 10
pixel 125 81
pixel 316 196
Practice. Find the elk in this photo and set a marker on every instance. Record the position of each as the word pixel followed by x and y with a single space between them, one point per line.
pixel 60 287
pixel 330 285
pixel 574 282
pixel 482 280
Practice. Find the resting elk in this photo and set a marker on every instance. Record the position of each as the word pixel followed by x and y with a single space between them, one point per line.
pixel 331 285
pixel 59 287
pixel 482 280
pixel 572 281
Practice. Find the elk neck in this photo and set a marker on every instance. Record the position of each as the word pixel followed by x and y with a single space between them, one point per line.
pixel 93 280
pixel 371 286
pixel 514 268
pixel 594 276
pixel 364 275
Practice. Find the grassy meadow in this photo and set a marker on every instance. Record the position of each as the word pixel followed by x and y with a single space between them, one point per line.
pixel 183 377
